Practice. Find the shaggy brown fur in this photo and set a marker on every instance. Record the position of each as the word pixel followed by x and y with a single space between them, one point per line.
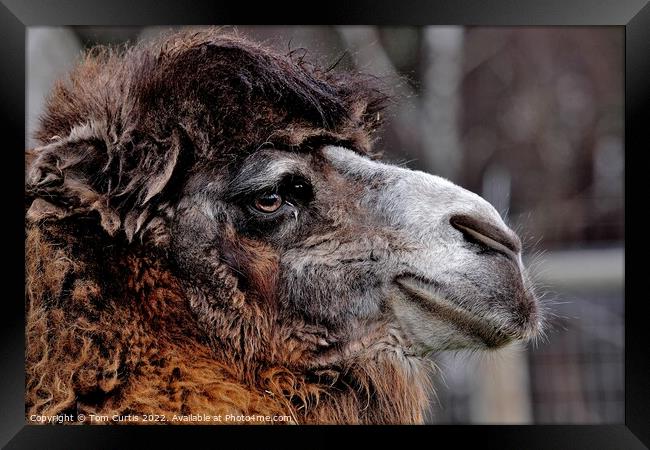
pixel 114 324
pixel 135 348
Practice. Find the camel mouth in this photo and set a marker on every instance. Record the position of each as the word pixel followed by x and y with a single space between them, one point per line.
pixel 428 295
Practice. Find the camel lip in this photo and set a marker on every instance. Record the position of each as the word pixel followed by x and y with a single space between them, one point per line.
pixel 428 295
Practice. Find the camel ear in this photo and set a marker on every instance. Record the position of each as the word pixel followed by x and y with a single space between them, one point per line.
pixel 91 172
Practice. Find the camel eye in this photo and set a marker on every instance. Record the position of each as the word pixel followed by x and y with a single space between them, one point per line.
pixel 269 202
pixel 292 191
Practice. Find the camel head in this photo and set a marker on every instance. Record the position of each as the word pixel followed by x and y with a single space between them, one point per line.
pixel 346 242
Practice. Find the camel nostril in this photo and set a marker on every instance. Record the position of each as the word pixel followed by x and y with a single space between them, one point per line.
pixel 478 229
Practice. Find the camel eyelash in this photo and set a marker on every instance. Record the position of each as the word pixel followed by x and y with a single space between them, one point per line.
pixel 295 187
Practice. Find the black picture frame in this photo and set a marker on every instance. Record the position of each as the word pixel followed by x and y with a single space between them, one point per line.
pixel 16 15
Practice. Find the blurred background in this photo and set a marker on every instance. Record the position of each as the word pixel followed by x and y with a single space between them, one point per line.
pixel 529 118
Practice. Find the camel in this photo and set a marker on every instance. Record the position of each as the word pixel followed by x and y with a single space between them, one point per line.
pixel 210 232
